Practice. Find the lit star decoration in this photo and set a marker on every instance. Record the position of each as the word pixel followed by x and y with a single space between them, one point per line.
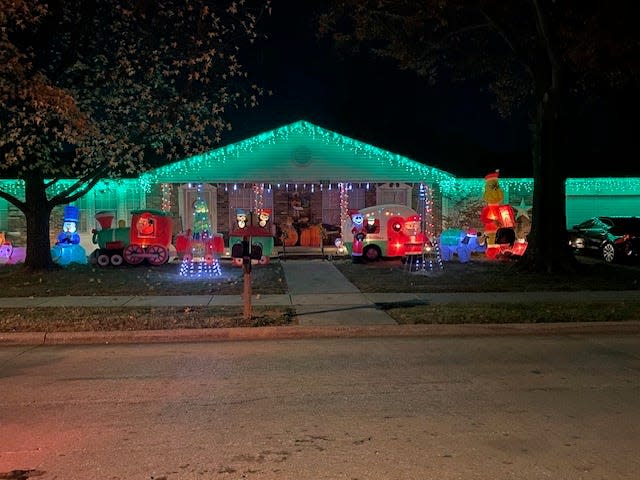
pixel 523 210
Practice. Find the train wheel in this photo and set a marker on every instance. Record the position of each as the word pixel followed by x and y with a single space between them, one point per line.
pixel 103 259
pixel 133 254
pixel 157 255
pixel 116 260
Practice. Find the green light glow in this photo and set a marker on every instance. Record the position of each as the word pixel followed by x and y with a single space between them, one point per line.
pixel 273 157
pixel 450 186
pixel 16 187
pixel 603 186
pixel 458 188
pixel 303 153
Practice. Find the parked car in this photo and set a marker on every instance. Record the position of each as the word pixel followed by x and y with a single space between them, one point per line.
pixel 612 238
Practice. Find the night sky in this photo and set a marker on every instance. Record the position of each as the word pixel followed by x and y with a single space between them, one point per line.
pixel 449 126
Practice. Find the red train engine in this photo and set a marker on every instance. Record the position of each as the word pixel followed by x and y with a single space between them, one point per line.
pixel 148 238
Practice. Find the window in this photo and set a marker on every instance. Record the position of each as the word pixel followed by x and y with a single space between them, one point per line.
pixel 244 198
pixel 4 215
pixel 397 193
pixel 331 203
pixel 188 195
pixel 120 198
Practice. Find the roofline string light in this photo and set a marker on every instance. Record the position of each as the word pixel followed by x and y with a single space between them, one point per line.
pixel 192 166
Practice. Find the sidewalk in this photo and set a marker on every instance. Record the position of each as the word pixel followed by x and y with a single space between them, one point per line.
pixel 325 304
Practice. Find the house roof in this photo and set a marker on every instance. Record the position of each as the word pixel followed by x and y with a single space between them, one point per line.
pixel 298 152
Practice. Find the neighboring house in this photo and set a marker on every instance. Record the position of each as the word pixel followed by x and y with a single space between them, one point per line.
pixel 305 175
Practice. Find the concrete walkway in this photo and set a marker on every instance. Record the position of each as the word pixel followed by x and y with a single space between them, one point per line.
pixel 323 296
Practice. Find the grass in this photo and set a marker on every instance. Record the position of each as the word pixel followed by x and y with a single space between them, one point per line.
pixel 58 319
pixel 482 275
pixel 89 280
pixel 514 313
pixel 389 276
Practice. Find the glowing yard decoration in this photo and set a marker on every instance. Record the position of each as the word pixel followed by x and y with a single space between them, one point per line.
pixel 429 259
pixel 202 261
pixel 498 220
pixel 258 197
pixel 344 206
pixel 167 189
pixel 359 233
pixel 201 222
pixel 394 232
pixel 189 268
pixel 67 249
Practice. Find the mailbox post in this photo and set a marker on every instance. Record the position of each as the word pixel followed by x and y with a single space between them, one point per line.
pixel 246 268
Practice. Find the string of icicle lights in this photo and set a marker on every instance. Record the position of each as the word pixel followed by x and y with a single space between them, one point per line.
pixel 229 154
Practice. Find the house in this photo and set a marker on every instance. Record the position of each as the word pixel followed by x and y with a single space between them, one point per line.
pixel 305 175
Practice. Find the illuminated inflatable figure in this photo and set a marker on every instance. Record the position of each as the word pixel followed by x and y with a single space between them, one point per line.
pixel 68 249
pixel 252 239
pixel 359 233
pixel 461 243
pixel 498 220
pixel 69 232
pixel 6 249
pixel 263 217
pixel 148 238
pixel 241 218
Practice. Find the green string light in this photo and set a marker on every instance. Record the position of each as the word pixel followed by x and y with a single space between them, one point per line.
pixel 237 161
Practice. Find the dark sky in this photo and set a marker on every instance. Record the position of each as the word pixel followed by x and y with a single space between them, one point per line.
pixel 449 126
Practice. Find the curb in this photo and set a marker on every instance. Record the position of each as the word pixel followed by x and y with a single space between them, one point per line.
pixel 310 332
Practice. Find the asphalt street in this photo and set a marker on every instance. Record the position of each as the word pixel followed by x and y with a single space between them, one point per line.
pixel 493 407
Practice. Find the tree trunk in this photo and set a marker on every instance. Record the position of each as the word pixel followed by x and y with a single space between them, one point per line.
pixel 37 214
pixel 548 250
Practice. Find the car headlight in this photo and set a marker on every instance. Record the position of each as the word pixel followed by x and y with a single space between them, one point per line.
pixel 577 242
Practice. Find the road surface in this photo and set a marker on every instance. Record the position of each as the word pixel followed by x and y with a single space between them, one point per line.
pixel 524 407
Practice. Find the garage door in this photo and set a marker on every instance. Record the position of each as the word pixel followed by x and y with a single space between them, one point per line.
pixel 581 207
